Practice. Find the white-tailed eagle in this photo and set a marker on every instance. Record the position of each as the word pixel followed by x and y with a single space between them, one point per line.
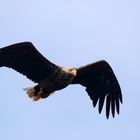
pixel 98 78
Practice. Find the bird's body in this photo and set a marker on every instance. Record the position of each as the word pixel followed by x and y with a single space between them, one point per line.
pixel 98 78
pixel 55 81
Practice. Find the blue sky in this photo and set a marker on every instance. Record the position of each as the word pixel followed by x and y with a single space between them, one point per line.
pixel 72 33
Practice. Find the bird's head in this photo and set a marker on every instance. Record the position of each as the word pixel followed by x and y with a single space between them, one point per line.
pixel 72 71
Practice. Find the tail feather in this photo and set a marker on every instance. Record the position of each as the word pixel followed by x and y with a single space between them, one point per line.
pixel 36 93
pixel 30 91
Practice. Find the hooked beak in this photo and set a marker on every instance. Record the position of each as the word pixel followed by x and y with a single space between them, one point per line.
pixel 73 72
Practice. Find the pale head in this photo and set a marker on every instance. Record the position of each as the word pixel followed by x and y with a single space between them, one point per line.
pixel 72 71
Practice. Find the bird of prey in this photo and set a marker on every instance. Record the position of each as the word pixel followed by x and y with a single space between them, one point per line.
pixel 98 78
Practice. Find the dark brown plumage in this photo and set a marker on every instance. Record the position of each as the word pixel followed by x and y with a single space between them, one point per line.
pixel 98 78
pixel 101 84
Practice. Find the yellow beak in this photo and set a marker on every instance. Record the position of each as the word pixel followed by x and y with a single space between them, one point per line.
pixel 74 72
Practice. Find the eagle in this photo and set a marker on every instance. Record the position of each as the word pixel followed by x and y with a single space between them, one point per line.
pixel 98 78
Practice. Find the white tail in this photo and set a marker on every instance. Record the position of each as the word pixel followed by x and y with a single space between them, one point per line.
pixel 31 93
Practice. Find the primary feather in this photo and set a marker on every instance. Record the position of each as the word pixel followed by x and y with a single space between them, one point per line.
pixel 101 83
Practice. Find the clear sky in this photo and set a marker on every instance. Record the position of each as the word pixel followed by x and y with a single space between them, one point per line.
pixel 72 33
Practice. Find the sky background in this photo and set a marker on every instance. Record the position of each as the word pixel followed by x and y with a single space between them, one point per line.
pixel 71 33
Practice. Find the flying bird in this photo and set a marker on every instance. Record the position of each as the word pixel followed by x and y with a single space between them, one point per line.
pixel 98 78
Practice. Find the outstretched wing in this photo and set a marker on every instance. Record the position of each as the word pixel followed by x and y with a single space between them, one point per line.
pixel 25 59
pixel 100 83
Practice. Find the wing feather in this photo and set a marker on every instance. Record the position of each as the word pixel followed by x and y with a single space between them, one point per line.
pixel 100 82
pixel 27 60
